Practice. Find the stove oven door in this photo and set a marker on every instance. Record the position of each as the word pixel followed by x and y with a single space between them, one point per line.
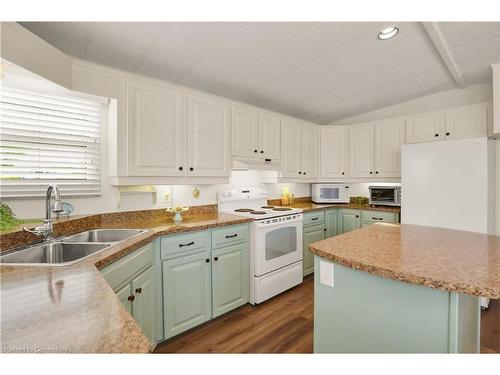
pixel 278 243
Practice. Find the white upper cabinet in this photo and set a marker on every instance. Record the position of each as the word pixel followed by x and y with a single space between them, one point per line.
pixel 454 123
pixel 466 122
pixel 208 143
pixel 300 150
pixel 425 128
pixel 361 150
pixel 310 151
pixel 333 148
pixel 155 130
pixel 255 135
pixel 291 155
pixel 375 149
pixel 269 136
pixel 387 148
pixel 244 133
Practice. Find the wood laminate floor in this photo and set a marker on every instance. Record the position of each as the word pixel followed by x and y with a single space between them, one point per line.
pixel 490 328
pixel 284 324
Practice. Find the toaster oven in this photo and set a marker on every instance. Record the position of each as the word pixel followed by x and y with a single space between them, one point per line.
pixel 385 195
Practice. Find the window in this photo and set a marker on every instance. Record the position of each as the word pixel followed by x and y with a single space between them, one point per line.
pixel 49 138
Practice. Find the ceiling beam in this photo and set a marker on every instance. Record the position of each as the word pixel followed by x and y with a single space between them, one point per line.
pixel 440 44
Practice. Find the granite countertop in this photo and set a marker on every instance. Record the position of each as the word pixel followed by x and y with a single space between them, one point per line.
pixel 308 205
pixel 451 260
pixel 72 308
pixel 311 206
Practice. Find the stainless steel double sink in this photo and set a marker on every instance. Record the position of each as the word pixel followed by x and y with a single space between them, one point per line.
pixel 68 250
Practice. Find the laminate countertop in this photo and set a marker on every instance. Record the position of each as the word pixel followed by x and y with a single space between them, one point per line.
pixel 72 309
pixel 451 260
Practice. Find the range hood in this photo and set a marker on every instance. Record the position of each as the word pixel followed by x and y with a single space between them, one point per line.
pixel 242 164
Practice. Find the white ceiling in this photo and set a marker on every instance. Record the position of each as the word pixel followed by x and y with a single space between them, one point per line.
pixel 321 72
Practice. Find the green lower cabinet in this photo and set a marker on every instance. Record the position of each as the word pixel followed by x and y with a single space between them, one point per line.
pixel 349 220
pixel 371 217
pixel 139 298
pixel 133 279
pixel 230 278
pixel 332 223
pixel 187 292
pixel 144 304
pixel 310 235
pixel 124 294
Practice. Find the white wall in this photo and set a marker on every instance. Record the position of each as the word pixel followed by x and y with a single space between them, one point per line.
pixel 456 97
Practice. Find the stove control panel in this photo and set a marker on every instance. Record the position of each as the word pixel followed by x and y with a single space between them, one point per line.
pixel 279 220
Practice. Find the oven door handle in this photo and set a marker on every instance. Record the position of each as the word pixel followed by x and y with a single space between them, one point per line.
pixel 284 223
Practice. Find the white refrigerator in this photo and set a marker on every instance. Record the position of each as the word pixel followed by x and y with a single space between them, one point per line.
pixel 449 184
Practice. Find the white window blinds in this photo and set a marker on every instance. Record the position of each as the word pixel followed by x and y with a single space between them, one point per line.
pixel 46 139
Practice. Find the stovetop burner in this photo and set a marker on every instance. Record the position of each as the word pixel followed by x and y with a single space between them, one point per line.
pixel 243 210
pixel 258 212
pixel 267 207
pixel 282 209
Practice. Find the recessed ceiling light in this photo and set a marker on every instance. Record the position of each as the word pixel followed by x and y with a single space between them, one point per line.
pixel 388 33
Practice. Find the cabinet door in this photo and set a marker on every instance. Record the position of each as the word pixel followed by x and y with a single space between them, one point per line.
pixel 310 151
pixel 124 294
pixel 387 148
pixel 361 151
pixel 331 217
pixel 155 130
pixel 466 122
pixel 425 128
pixel 349 220
pixel 244 133
pixel 291 155
pixel 269 136
pixel 310 235
pixel 144 305
pixel 186 293
pixel 496 100
pixel 230 278
pixel 333 149
pixel 208 151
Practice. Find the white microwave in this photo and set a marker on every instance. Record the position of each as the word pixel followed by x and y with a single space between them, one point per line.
pixel 330 193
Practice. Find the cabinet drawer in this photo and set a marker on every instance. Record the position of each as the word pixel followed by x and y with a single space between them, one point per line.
pixel 172 246
pixel 378 217
pixel 229 235
pixel 314 218
pixel 123 270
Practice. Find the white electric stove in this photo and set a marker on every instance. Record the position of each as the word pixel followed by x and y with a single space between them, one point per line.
pixel 275 241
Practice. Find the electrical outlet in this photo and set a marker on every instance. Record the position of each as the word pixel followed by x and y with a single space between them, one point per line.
pixel 163 196
pixel 326 273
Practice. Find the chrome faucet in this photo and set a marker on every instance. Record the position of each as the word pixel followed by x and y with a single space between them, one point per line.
pixel 46 230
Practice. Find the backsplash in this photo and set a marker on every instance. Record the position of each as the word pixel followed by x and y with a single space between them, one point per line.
pixel 180 195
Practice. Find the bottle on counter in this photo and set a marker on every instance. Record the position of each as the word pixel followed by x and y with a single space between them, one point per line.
pixel 285 200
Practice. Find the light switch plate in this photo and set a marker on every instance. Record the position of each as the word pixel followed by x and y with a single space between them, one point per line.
pixel 326 273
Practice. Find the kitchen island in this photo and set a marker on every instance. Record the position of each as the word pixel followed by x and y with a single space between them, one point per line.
pixel 403 289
